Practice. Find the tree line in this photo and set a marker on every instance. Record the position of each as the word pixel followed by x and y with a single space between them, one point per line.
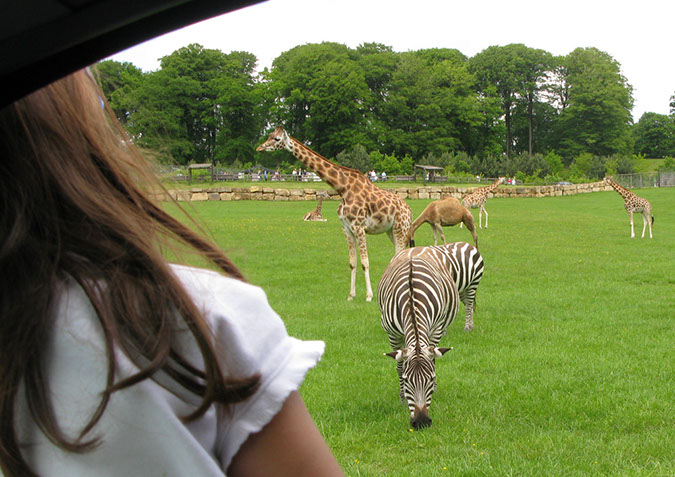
pixel 507 110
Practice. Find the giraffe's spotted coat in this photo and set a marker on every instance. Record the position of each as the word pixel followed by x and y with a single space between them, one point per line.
pixel 364 209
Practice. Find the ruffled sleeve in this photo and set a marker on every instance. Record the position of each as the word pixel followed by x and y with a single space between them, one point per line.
pixel 250 338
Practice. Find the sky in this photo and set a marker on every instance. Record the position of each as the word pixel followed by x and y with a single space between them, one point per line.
pixel 637 34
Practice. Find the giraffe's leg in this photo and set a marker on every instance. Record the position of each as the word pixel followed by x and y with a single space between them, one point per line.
pixel 648 218
pixel 352 261
pixel 360 236
pixel 399 234
pixel 645 221
pixel 486 216
pixel 632 229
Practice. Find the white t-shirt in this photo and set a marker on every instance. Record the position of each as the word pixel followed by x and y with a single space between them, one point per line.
pixel 141 429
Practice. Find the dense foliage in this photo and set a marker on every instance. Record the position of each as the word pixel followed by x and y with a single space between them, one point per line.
pixel 508 110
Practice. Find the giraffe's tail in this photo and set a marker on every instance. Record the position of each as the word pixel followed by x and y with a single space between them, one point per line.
pixel 652 220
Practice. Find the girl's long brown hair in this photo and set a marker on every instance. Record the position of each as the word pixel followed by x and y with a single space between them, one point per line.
pixel 71 206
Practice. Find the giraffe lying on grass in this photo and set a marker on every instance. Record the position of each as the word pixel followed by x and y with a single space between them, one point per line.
pixel 315 215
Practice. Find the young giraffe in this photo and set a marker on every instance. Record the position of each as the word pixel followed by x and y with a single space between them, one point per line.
pixel 315 215
pixel 633 203
pixel 364 209
pixel 476 200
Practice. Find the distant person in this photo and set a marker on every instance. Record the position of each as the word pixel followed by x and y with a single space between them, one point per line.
pixel 384 176
pixel 115 361
pixel 265 174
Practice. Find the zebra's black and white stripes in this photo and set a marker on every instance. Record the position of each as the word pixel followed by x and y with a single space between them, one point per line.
pixel 419 296
pixel 467 270
pixel 418 300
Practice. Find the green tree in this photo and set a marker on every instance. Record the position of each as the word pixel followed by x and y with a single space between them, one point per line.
pixel 432 104
pixel 357 158
pixel 200 106
pixel 533 67
pixel 515 74
pixel 118 81
pixel 320 95
pixel 654 135
pixel 496 70
pixel 597 118
pixel 241 109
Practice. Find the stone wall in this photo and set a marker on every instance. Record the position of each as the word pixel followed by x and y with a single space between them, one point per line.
pixel 424 192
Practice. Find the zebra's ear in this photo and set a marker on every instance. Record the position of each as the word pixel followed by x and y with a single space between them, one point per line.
pixel 439 352
pixel 398 355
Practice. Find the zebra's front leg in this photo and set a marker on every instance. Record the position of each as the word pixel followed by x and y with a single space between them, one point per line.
pixel 399 369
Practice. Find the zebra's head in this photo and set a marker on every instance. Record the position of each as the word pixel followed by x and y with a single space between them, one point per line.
pixel 418 380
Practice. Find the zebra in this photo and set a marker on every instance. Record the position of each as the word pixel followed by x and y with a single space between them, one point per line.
pixel 467 271
pixel 418 299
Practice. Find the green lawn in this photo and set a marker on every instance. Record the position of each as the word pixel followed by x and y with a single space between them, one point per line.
pixel 569 370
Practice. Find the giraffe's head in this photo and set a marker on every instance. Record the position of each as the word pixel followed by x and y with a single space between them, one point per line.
pixel 276 140
pixel 608 179
pixel 501 180
pixel 418 377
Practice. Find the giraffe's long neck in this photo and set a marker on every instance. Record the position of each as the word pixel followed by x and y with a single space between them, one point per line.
pixel 318 206
pixel 331 173
pixel 493 186
pixel 625 193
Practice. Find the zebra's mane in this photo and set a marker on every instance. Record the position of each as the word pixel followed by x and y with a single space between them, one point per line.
pixel 413 313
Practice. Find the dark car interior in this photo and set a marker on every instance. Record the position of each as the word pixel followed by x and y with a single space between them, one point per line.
pixel 44 40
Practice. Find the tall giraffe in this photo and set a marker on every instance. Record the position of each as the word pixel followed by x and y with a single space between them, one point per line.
pixel 364 209
pixel 633 203
pixel 315 215
pixel 477 199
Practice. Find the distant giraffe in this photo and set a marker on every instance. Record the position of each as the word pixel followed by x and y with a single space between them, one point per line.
pixel 633 203
pixel 477 199
pixel 364 209
pixel 315 215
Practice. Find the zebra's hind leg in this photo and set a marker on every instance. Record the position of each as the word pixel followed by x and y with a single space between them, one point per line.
pixel 468 308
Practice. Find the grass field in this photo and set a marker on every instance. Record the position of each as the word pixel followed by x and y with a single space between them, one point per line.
pixel 569 370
